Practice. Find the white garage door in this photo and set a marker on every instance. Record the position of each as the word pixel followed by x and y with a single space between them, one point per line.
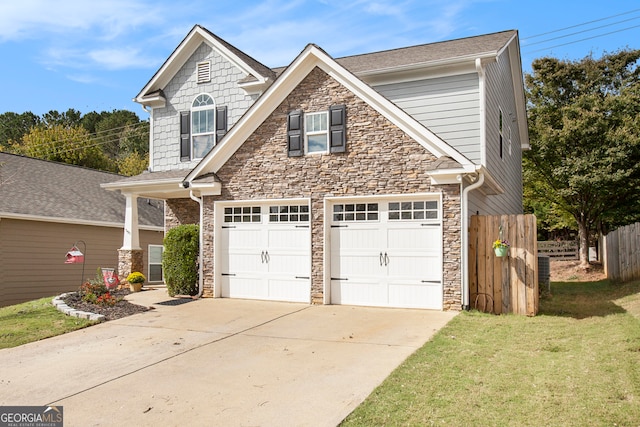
pixel 387 253
pixel 265 252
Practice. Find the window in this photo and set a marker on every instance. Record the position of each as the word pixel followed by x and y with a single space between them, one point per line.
pixel 155 263
pixel 316 134
pixel 203 126
pixel 355 212
pixel 242 214
pixel 413 210
pixel 293 213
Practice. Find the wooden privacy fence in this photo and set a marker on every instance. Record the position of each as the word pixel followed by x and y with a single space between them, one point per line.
pixel 622 253
pixel 504 284
pixel 563 249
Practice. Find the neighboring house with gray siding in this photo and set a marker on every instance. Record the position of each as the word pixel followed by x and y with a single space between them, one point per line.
pixel 335 181
pixel 46 207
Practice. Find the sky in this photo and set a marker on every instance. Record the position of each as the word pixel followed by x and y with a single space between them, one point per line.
pixel 97 55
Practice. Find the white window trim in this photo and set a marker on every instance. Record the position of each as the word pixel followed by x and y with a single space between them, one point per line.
pixel 201 108
pixel 313 133
pixel 149 263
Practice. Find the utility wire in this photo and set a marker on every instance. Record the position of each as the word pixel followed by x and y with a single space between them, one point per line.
pixel 580 25
pixel 95 136
pixel 581 40
pixel 584 31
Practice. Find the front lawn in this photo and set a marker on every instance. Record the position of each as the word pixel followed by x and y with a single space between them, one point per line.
pixel 575 364
pixel 33 321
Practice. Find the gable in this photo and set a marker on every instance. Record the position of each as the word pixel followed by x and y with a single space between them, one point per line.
pixel 261 75
pixel 380 158
pixel 309 59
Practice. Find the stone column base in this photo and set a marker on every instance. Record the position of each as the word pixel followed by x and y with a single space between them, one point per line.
pixel 129 260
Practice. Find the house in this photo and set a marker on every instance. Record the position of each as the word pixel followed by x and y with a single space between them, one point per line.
pixel 335 181
pixel 45 209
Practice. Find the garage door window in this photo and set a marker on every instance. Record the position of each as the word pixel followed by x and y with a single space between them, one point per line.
pixel 355 212
pixel 404 211
pixel 242 214
pixel 289 213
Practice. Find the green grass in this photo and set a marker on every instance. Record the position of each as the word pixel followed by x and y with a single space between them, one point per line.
pixel 575 364
pixel 33 321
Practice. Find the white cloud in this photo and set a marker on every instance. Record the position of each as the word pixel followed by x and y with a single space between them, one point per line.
pixel 34 19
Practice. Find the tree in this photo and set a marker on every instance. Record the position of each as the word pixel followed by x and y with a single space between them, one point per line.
pixel 14 126
pixel 584 129
pixel 62 144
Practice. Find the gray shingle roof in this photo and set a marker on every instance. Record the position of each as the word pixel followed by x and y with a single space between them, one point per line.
pixel 413 55
pixel 31 186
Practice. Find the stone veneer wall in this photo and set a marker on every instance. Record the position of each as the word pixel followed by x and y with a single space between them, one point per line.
pixel 180 211
pixel 380 160
pixel 129 260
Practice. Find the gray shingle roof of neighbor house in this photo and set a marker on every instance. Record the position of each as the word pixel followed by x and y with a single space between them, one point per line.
pixel 40 188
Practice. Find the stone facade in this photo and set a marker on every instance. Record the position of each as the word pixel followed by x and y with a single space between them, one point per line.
pixel 380 160
pixel 180 211
pixel 129 260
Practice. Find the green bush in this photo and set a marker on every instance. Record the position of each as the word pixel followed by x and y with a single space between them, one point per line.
pixel 180 260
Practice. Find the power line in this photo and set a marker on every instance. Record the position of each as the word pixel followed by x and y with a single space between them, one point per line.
pixel 95 136
pixel 586 38
pixel 584 31
pixel 580 25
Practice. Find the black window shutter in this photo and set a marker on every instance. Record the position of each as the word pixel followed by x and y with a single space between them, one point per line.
pixel 185 136
pixel 221 122
pixel 295 133
pixel 337 129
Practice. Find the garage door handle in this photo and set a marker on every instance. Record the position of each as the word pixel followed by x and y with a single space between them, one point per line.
pixel 430 281
pixel 303 277
pixel 381 259
pixel 386 259
pixel 262 257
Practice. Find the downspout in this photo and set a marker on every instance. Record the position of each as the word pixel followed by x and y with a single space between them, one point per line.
pixel 201 244
pixel 464 202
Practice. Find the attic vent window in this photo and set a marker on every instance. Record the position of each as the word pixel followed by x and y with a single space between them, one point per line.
pixel 204 72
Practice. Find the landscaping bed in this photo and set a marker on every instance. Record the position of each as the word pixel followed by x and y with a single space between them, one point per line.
pixel 121 308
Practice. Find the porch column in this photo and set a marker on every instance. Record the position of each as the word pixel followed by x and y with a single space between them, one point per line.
pixel 131 237
pixel 130 254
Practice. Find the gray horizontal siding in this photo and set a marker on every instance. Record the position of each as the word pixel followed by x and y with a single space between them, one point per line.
pixel 448 106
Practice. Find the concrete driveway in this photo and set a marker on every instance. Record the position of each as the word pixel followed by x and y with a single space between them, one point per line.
pixel 217 362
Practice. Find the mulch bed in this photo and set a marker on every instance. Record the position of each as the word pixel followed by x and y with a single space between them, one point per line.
pixel 121 309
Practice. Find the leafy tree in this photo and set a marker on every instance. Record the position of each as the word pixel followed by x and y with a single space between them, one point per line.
pixel 14 126
pixel 584 128
pixel 62 144
pixel 69 118
pixel 133 164
pixel 111 128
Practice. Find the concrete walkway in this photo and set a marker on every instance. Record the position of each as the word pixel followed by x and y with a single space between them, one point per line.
pixel 217 362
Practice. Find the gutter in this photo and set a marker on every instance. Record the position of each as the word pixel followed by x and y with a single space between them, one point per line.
pixel 464 200
pixel 200 245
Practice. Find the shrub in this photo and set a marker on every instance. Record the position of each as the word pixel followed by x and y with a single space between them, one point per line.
pixel 180 260
pixel 92 289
